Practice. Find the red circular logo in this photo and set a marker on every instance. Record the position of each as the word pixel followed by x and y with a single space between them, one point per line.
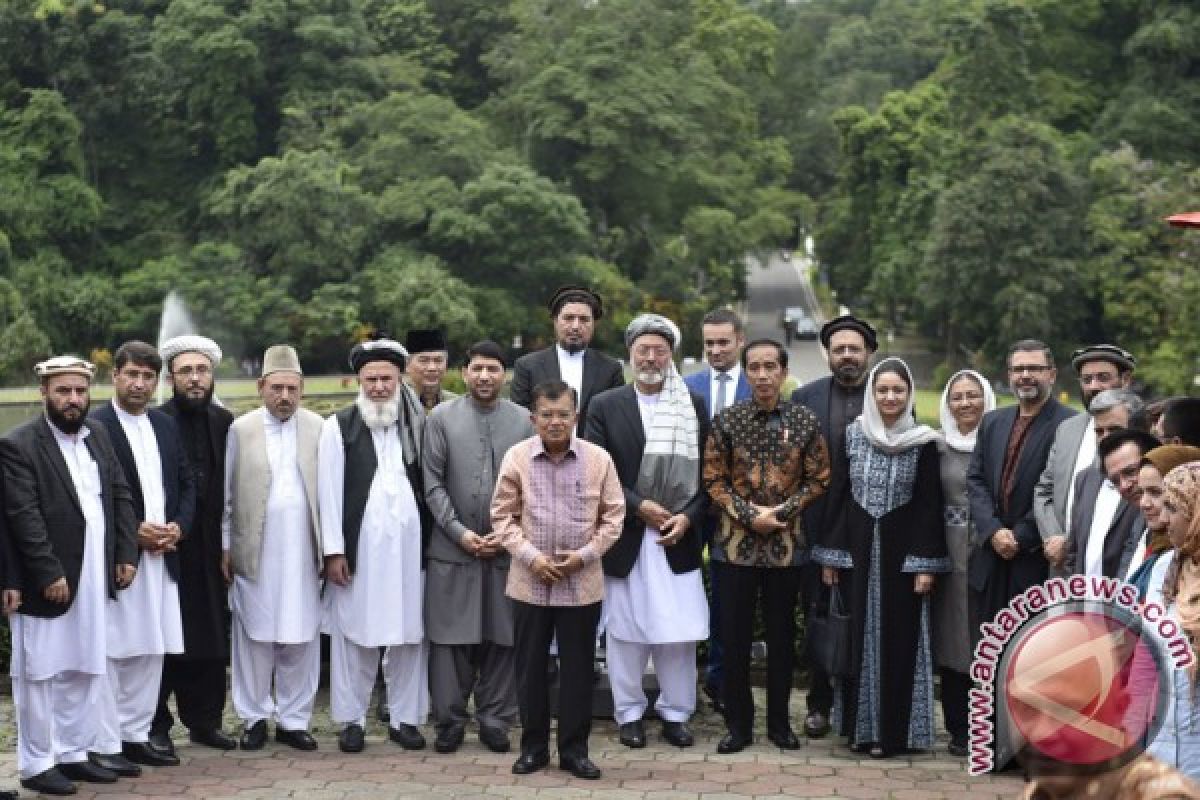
pixel 1084 688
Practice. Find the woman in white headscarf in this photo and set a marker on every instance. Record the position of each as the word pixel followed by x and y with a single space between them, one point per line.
pixel 883 554
pixel 966 398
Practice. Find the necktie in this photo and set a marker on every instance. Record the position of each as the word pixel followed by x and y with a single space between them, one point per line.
pixel 723 379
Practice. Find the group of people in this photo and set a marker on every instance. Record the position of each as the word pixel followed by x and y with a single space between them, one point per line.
pixel 465 545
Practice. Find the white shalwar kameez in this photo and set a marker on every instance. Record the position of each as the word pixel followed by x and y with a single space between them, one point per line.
pixel 144 622
pixel 277 615
pixel 382 605
pixel 59 666
pixel 654 614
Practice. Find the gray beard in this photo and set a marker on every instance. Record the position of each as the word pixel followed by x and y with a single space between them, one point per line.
pixel 378 415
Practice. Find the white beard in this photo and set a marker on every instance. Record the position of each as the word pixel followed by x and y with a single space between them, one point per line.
pixel 379 415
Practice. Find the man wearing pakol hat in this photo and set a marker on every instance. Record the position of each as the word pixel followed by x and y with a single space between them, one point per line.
pixel 837 400
pixel 72 522
pixel 468 619
pixel 428 359
pixel 144 622
pixel 374 530
pixel 1099 367
pixel 654 601
pixel 272 557
pixel 575 311
pixel 197 676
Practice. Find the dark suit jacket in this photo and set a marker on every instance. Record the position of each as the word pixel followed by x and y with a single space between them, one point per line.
pixel 600 373
pixel 45 517
pixel 1124 529
pixel 984 492
pixel 700 384
pixel 815 395
pixel 179 488
pixel 615 423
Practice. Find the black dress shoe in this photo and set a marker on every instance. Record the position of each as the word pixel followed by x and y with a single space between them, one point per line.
pixel 49 782
pixel 678 734
pixel 255 737
pixel 530 762
pixel 494 739
pixel 122 766
pixel 162 743
pixel 407 736
pixel 215 738
pixel 8 794
pixel 87 772
pixel 143 753
pixel 580 766
pixel 784 739
pixel 301 740
pixel 449 739
pixel 816 725
pixel 351 739
pixel 633 734
pixel 732 743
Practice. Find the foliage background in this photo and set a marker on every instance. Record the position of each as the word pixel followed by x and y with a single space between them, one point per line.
pixel 971 170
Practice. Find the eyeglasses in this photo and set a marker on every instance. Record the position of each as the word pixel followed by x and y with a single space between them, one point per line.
pixel 200 371
pixel 1032 369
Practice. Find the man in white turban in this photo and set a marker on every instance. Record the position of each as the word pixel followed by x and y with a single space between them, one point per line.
pixel 197 676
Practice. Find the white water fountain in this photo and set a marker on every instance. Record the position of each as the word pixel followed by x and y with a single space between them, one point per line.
pixel 175 321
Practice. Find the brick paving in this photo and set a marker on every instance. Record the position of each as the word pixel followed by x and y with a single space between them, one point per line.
pixel 820 769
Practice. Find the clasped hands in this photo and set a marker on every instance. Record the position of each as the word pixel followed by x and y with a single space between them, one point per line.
pixel 671 527
pixel 481 546
pixel 155 538
pixel 1004 542
pixel 564 565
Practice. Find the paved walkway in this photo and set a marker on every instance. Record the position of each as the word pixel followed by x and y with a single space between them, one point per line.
pixel 821 768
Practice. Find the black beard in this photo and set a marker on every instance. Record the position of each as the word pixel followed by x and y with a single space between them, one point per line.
pixel 573 348
pixel 189 405
pixel 67 426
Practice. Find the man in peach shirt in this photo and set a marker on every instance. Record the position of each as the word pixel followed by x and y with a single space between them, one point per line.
pixel 558 506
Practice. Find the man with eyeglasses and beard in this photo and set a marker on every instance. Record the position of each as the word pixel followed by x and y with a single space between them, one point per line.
pixel 74 529
pixel 197 676
pixel 375 527
pixel 1011 447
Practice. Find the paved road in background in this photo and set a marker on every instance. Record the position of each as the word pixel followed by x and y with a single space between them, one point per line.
pixel 769 289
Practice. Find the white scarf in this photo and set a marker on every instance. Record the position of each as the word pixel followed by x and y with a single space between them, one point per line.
pixel 957 440
pixel 906 433
pixel 669 472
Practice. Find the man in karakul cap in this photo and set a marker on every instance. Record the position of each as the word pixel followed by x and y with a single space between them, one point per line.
pixel 1099 367
pixel 655 607
pixel 575 310
pixel 837 400
pixel 428 359
pixel 197 676
pixel 272 557
pixel 71 519
pixel 374 529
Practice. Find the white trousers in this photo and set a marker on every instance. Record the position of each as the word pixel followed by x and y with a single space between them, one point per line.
pixel 675 668
pixel 57 719
pixel 352 677
pixel 294 669
pixel 129 702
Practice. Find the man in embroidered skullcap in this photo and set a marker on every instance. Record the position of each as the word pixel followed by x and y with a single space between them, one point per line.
pixel 654 598
pixel 374 530
pixel 197 676
pixel 428 359
pixel 272 557
pixel 144 622
pixel 74 530
pixel 575 310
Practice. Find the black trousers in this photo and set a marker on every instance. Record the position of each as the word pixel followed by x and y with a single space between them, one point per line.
pixel 742 590
pixel 199 688
pixel 820 687
pixel 575 628
pixel 956 687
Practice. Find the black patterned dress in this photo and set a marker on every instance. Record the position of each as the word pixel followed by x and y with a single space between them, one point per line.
pixel 888 531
